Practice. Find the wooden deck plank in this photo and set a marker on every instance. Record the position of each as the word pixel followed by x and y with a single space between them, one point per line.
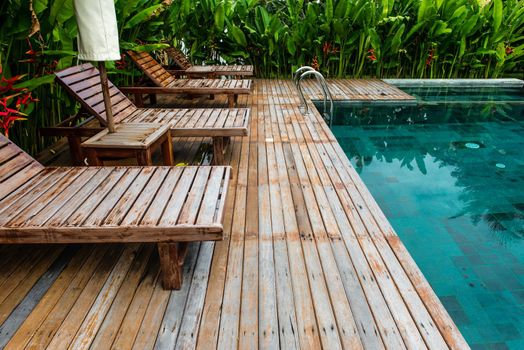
pixel 308 260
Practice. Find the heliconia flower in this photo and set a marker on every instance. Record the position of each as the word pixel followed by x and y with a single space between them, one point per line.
pixel 372 56
pixel 430 57
pixel 6 121
pixel 315 64
pixel 9 83
pixel 121 64
pixel 326 48
pixel 25 100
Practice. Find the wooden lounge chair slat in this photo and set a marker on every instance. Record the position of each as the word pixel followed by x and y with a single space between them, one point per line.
pixel 10 197
pixel 156 209
pixel 175 204
pixel 44 198
pixel 25 200
pixel 18 179
pixel 7 152
pixel 135 214
pixel 12 166
pixel 194 201
pixel 83 212
pixel 125 202
pixel 79 197
pixel 212 192
pixel 107 204
pixel 55 203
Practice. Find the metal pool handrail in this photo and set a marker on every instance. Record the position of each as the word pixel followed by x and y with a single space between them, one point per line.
pixel 323 84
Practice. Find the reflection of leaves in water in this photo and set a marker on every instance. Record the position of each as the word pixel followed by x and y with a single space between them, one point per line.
pixel 479 195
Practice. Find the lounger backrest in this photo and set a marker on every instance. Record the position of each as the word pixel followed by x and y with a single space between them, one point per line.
pixel 83 83
pixel 16 167
pixel 179 57
pixel 154 70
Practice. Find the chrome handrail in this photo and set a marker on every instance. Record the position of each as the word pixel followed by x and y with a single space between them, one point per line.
pixel 323 84
pixel 296 80
pixel 296 75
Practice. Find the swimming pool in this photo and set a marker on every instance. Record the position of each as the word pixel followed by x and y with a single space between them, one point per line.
pixel 448 171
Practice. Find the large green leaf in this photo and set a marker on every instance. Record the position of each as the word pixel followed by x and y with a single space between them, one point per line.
pixel 32 84
pixel 220 16
pixel 143 16
pixel 238 35
pixel 497 15
pixel 61 11
pixel 329 10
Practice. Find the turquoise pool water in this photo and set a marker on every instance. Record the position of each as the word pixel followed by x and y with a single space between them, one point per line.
pixel 449 174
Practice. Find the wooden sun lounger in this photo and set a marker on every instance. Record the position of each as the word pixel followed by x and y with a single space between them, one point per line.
pixel 170 206
pixel 83 83
pixel 210 71
pixel 166 83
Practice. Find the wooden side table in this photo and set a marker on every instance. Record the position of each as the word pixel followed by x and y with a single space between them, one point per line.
pixel 131 140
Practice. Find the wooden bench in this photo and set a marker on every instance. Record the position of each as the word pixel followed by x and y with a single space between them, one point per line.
pixel 209 71
pixel 83 83
pixel 166 83
pixel 170 206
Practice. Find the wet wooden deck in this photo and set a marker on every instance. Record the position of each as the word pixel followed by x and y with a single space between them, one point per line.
pixel 309 261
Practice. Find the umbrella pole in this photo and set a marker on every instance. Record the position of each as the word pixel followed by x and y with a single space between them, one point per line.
pixel 107 98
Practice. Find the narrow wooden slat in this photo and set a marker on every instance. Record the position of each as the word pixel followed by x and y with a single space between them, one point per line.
pixel 97 312
pixel 79 303
pixel 192 206
pixel 36 318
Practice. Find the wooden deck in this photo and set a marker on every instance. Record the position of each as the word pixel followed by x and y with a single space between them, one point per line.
pixel 309 260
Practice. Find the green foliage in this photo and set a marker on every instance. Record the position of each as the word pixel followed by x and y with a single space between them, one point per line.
pixel 346 38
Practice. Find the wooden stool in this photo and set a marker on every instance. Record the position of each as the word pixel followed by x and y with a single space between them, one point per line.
pixel 131 140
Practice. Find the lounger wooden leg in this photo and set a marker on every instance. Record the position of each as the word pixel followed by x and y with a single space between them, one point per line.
pixel 167 150
pixel 139 102
pixel 75 150
pixel 144 157
pixel 152 99
pixel 231 100
pixel 218 151
pixel 171 261
pixel 92 157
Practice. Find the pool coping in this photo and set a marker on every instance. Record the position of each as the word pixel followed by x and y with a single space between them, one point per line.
pixel 505 82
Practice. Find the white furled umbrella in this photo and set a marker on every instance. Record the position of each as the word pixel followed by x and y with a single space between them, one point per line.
pixel 98 41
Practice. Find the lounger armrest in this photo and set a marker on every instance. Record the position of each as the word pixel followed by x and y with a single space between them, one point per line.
pixel 69 130
pixel 175 90
pixel 177 73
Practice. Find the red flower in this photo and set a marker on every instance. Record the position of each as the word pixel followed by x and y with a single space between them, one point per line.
pixel 9 83
pixel 25 99
pixel 326 48
pixel 315 64
pixel 372 56
pixel 7 119
pixel 121 64
pixel 430 57
pixel 509 50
